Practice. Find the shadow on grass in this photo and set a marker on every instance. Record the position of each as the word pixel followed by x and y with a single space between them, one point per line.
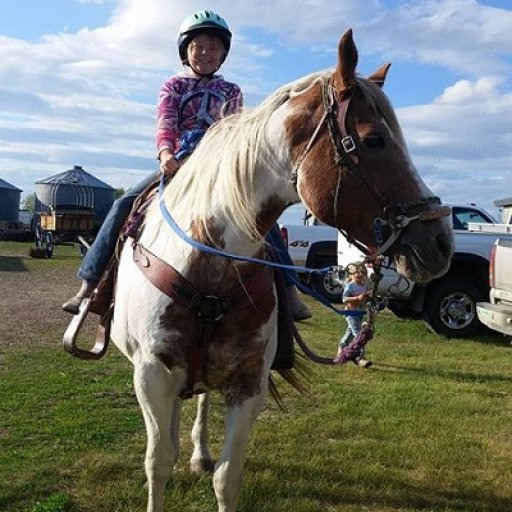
pixel 489 337
pixel 454 375
pixel 12 264
pixel 336 486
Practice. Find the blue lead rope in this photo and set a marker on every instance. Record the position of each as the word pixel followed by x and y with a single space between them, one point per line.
pixel 273 264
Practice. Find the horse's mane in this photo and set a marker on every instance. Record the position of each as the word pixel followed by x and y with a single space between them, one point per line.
pixel 220 171
pixel 222 165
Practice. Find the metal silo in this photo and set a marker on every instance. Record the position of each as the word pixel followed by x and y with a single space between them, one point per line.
pixel 75 188
pixel 9 203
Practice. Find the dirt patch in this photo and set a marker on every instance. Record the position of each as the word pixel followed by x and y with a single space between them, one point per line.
pixel 31 295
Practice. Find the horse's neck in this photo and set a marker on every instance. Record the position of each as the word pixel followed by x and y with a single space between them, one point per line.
pixel 160 238
pixel 207 202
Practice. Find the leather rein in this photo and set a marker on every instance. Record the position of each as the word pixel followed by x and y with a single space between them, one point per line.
pixel 395 215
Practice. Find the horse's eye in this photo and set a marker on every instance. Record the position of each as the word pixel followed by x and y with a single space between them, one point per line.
pixel 374 141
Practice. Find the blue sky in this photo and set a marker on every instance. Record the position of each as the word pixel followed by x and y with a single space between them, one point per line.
pixel 79 79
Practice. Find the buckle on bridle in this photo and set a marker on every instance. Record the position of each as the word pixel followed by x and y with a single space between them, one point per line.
pixel 348 144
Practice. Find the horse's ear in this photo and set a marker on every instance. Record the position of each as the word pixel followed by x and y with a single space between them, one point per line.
pixel 345 73
pixel 379 77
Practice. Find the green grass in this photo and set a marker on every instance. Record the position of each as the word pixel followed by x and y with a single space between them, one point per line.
pixel 427 428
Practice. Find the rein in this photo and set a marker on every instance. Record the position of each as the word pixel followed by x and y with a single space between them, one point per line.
pixel 237 257
pixel 218 252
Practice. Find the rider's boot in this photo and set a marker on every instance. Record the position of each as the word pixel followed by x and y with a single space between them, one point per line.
pixel 299 310
pixel 73 304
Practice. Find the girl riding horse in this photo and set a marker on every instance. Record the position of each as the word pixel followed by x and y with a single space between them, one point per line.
pixel 189 103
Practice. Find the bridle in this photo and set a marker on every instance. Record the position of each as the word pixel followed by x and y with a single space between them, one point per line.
pixel 395 214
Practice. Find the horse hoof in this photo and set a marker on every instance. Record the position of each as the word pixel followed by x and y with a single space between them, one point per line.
pixel 200 466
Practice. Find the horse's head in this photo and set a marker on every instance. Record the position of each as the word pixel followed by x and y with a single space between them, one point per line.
pixel 353 170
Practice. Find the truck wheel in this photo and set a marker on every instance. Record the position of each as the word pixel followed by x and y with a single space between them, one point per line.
pixel 450 307
pixel 324 285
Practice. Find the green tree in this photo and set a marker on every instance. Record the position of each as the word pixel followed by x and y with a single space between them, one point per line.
pixel 29 203
pixel 118 193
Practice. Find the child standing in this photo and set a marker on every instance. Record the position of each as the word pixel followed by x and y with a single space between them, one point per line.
pixel 355 295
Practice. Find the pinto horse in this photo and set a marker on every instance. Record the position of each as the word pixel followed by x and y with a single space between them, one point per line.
pixel 199 322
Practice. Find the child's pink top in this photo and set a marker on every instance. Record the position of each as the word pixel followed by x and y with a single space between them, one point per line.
pixel 186 102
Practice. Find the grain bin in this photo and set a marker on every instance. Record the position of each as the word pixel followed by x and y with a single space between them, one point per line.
pixel 75 188
pixel 9 204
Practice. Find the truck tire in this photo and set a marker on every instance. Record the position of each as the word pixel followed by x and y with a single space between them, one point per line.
pixel 450 307
pixel 324 285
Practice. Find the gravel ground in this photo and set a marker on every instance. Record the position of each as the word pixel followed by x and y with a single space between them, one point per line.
pixel 31 294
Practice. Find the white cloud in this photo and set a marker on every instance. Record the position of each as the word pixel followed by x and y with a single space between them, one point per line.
pixel 89 97
pixel 461 35
pixel 462 141
pixel 484 90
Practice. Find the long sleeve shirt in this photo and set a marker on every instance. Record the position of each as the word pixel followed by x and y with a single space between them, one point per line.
pixel 186 102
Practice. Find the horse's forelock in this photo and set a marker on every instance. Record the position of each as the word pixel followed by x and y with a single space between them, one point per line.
pixel 379 101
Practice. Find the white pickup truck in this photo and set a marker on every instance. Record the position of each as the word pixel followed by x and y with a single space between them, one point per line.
pixel 313 244
pixel 497 314
pixel 447 304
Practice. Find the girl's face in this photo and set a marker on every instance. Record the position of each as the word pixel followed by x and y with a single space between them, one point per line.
pixel 205 53
pixel 360 275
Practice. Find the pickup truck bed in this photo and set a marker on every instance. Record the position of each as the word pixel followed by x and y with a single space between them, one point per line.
pixel 497 314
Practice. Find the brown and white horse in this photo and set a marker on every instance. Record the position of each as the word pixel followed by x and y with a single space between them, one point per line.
pixel 330 140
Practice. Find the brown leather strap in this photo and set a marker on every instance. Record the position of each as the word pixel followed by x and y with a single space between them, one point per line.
pixel 170 282
pixel 209 308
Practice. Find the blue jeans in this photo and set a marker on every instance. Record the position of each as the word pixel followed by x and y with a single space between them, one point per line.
pixel 354 324
pixel 275 240
pixel 96 260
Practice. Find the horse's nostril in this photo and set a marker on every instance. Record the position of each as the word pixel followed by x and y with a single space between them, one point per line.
pixel 444 245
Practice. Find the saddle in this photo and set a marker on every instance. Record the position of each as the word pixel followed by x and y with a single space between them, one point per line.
pixel 102 300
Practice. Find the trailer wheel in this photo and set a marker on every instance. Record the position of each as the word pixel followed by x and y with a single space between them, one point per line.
pixel 49 244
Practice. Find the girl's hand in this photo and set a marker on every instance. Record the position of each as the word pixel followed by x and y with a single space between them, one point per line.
pixel 168 164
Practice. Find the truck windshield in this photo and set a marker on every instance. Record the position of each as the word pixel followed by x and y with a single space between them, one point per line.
pixel 461 216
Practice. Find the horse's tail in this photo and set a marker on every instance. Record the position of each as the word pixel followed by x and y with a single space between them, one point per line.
pixel 298 377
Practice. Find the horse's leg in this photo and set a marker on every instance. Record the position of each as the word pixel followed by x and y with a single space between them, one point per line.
pixel 227 479
pixel 201 460
pixel 155 388
pixel 175 428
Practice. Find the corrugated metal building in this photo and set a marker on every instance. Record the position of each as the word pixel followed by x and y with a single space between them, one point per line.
pixel 9 202
pixel 75 188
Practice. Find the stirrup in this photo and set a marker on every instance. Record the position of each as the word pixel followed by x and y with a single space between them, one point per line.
pixel 69 339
